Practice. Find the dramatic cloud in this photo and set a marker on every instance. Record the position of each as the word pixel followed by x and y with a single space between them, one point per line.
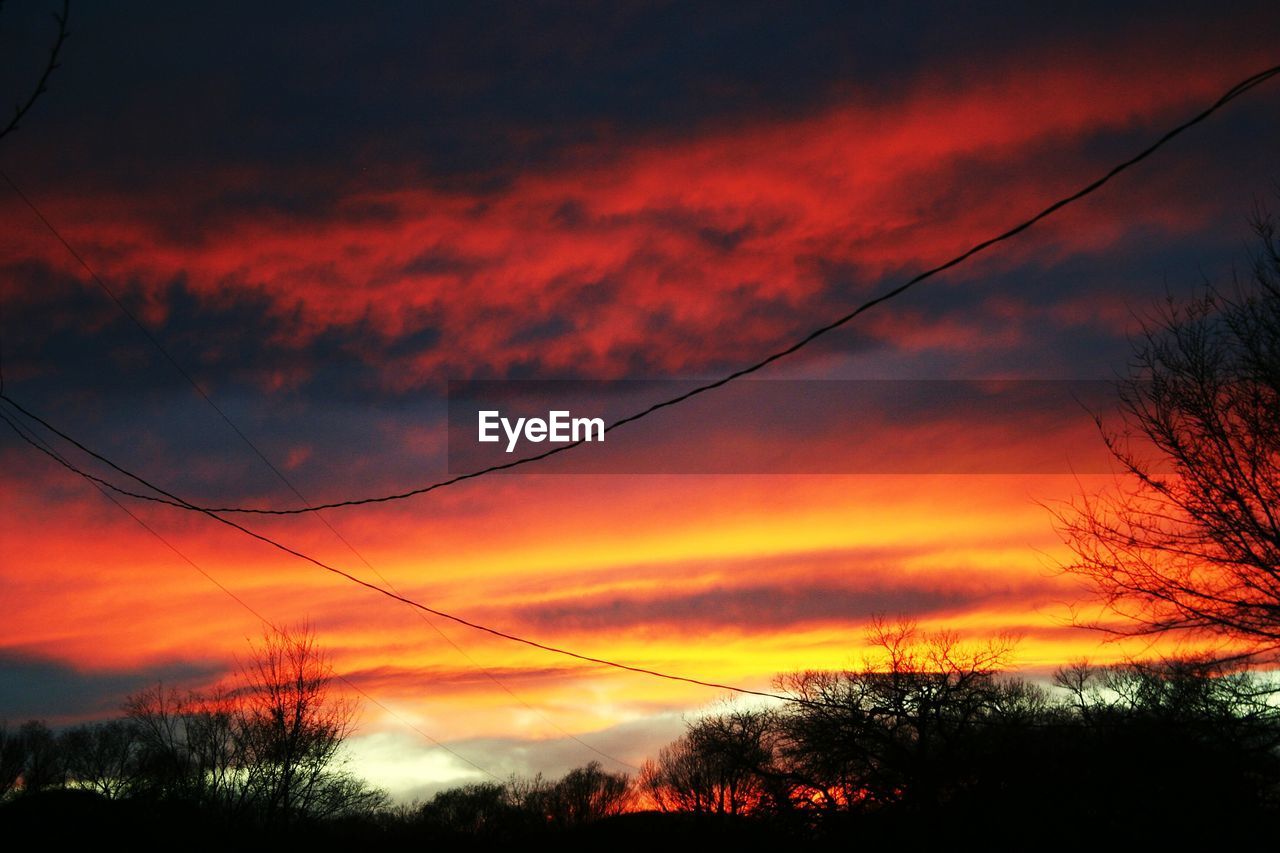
pixel 33 688
pixel 736 239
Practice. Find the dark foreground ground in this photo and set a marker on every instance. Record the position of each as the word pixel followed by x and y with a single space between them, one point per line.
pixel 60 818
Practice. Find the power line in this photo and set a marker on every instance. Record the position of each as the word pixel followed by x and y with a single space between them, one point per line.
pixel 1234 92
pixel 483 670
pixel 39 444
pixel 515 638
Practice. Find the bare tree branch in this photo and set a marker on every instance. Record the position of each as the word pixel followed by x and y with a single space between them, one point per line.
pixel 21 109
pixel 1188 539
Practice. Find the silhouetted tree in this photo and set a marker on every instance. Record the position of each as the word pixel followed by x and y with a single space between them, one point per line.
pixel 268 749
pixel 901 729
pixel 1183 736
pixel 525 805
pixel 165 765
pixel 215 742
pixel 480 810
pixel 292 725
pixel 12 758
pixel 586 794
pixel 723 764
pixel 1197 695
pixel 932 739
pixel 101 756
pixel 43 762
pixel 1189 540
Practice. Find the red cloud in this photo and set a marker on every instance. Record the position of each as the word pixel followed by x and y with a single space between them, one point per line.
pixel 665 258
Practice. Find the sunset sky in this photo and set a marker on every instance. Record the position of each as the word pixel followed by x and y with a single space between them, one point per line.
pixel 327 213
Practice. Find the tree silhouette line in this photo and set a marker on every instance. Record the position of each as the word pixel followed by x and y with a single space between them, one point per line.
pixel 266 749
pixel 929 737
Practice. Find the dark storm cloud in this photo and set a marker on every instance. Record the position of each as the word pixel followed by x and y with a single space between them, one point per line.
pixel 478 91
pixel 68 350
pixel 35 688
pixel 304 98
pixel 237 340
